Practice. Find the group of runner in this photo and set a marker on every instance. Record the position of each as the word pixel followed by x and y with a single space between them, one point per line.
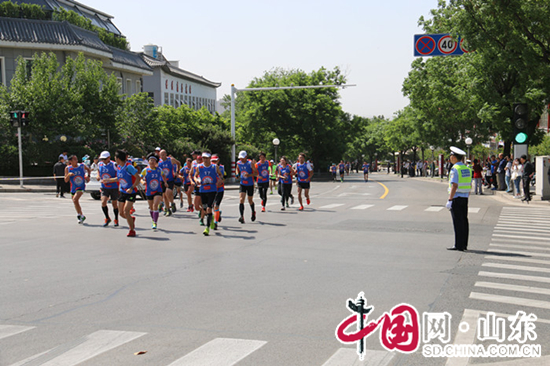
pixel 201 175
pixel 344 169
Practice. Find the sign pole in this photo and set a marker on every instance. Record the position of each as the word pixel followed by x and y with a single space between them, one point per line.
pixel 20 156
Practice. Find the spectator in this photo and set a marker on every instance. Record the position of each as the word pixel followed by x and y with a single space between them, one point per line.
pixel 59 176
pixel 64 156
pixel 501 181
pixel 508 174
pixel 494 164
pixel 517 173
pixel 477 177
pixel 528 172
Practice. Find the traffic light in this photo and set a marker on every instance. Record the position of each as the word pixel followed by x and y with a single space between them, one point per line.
pixel 24 118
pixel 520 123
pixel 14 118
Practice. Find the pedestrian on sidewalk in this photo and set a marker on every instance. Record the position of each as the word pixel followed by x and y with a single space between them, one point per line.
pixel 517 173
pixel 528 172
pixel 460 184
pixel 478 187
pixel 508 174
pixel 59 176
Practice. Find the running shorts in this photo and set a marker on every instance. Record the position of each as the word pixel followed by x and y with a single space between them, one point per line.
pixel 150 198
pixel 130 197
pixel 112 193
pixel 304 185
pixel 249 190
pixel 208 199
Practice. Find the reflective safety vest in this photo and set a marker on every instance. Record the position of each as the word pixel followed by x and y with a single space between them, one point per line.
pixel 464 178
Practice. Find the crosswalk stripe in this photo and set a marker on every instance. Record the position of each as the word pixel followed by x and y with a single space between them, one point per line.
pixel 521 237
pixel 434 209
pixel 517 288
pixel 10 330
pixel 510 300
pixel 517 259
pixel 500 227
pixel 470 317
pixel 518 246
pixel 473 209
pixel 83 349
pixel 511 276
pixel 349 357
pixel 517 268
pixel 521 225
pixel 528 254
pixel 362 207
pixel 523 219
pixel 220 352
pixel 397 208
pixel 334 205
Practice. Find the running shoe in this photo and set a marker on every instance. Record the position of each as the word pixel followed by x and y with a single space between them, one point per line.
pixel 116 223
pixel 82 219
pixel 131 233
pixel 206 231
pixel 287 206
pixel 174 207
pixel 301 208
pixel 198 213
pixel 213 224
pixel 253 218
pixel 283 208
pixel 169 213
pixel 263 209
pixel 201 222
pixel 271 192
pixel 263 203
pixel 133 210
pixel 107 222
pixel 241 220
pixel 154 226
pixel 291 200
pixel 181 204
pixel 220 217
pixel 308 201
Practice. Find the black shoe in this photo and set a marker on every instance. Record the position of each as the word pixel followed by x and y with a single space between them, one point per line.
pixel 241 220
pixel 253 218
pixel 453 248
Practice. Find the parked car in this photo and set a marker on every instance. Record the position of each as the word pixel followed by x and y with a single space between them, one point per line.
pixel 94 187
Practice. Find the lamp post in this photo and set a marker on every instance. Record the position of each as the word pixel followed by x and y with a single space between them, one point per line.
pixel 468 142
pixel 276 143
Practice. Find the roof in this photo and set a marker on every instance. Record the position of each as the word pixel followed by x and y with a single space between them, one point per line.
pixel 176 71
pixel 62 33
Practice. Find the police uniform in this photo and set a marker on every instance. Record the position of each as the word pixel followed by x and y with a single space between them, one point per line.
pixel 461 175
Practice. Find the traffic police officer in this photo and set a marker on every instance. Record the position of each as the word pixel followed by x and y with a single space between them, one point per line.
pixel 460 184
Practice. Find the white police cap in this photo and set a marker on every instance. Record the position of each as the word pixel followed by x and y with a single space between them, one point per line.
pixel 456 151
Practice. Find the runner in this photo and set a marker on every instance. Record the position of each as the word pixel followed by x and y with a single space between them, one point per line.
pixel 151 178
pixel 263 179
pixel 107 176
pixel 272 175
pixel 333 171
pixel 366 167
pixel 219 196
pixel 187 188
pixel 348 165
pixel 76 174
pixel 246 169
pixel 197 155
pixel 166 164
pixel 178 181
pixel 210 178
pixel 128 179
pixel 284 173
pixel 304 172
pixel 341 168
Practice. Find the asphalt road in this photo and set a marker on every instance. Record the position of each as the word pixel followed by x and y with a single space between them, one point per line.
pixel 270 292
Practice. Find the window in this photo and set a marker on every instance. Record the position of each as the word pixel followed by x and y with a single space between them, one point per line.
pixel 2 71
pixel 172 99
pixel 138 86
pixel 166 101
pixel 28 67
pixel 119 82
pixel 128 90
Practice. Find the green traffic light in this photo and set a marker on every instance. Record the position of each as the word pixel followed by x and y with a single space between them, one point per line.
pixel 521 137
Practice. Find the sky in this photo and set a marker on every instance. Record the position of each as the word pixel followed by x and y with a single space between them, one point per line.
pixel 233 42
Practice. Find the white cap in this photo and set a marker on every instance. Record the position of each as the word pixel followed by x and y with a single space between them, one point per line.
pixel 104 155
pixel 456 151
pixel 157 149
pixel 206 155
pixel 242 154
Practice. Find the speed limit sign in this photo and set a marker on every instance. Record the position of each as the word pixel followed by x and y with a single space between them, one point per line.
pixel 447 45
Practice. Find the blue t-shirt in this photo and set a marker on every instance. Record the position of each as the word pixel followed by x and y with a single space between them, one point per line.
pixel 126 177
pixel 153 177
pixel 209 178
pixel 245 167
pixel 78 180
pixel 302 170
pixel 263 172
pixel 286 172
pixel 108 171
pixel 167 169
pixel 222 171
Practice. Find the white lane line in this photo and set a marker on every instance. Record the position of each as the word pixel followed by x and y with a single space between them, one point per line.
pixel 473 209
pixel 517 288
pixel 470 317
pixel 507 245
pixel 434 209
pixel 334 205
pixel 397 208
pixel 219 352
pixel 527 254
pixel 521 237
pixel 83 349
pixel 9 330
pixel 362 207
pixel 517 259
pixel 349 357
pixel 517 268
pixel 511 276
pixel 510 300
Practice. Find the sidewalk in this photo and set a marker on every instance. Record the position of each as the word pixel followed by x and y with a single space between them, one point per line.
pixel 500 195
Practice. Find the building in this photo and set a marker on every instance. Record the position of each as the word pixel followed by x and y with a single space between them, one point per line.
pixel 26 37
pixel 174 86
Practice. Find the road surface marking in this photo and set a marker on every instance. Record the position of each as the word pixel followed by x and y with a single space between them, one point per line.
pixel 434 209
pixel 517 288
pixel 334 205
pixel 526 238
pixel 517 268
pixel 518 246
pixel 220 352
pixel 362 207
pixel 473 210
pixel 470 317
pixel 397 208
pixel 516 259
pixel 527 254
pixel 510 300
pixel 9 330
pixel 349 357
pixel 511 276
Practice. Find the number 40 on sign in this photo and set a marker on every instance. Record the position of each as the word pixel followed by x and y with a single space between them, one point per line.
pixel 438 45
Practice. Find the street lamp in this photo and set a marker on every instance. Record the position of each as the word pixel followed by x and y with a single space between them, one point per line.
pixel 276 143
pixel 468 142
